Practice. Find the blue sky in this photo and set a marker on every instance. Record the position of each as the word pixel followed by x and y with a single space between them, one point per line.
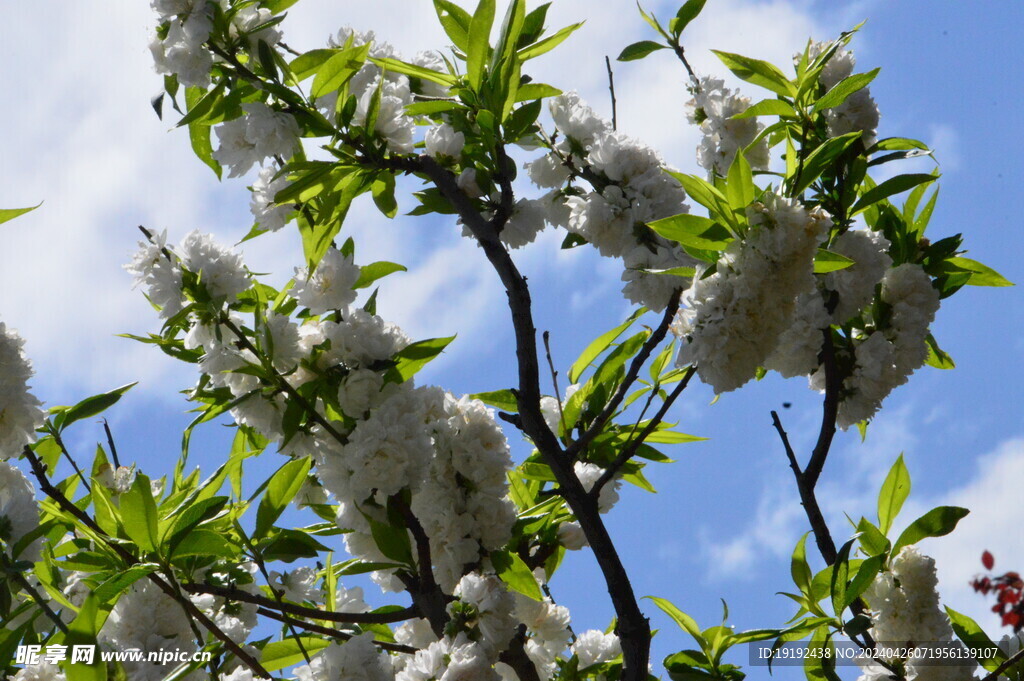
pixel 80 135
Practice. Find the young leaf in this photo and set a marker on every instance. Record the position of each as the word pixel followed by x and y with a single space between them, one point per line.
pixel 894 492
pixel 11 213
pixel 368 274
pixel 89 407
pixel 514 572
pixel 843 89
pixel 83 631
pixel 823 158
pixel 599 345
pixel 937 522
pixel 685 622
pixel 798 567
pixel 894 185
pixel 414 357
pixel 307 64
pixel 640 50
pixel 758 72
pixel 399 66
pixel 479 42
pixel 138 514
pixel 687 13
pixel 968 631
pixel 548 43
pixel 281 489
pixel 455 21
pixel 694 231
pixel 499 399
pixel 769 107
pixel 981 275
pixel 740 189
pixel 830 261
pixel 937 357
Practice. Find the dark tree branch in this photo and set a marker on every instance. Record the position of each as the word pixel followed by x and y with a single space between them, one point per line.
pixel 327 631
pixel 830 410
pixel 31 590
pixel 190 608
pixel 657 336
pixel 427 595
pixel 681 55
pixel 633 628
pixel 517 658
pixel 633 445
pixel 554 378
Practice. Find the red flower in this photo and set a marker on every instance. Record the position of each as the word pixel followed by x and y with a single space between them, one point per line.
pixel 987 560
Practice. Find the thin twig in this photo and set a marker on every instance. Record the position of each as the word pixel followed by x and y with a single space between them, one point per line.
pixel 234 594
pixel 554 379
pixel 657 336
pixel 71 460
pixel 611 89
pixel 110 443
pixel 333 633
pixel 633 445
pixel 36 596
pixel 681 54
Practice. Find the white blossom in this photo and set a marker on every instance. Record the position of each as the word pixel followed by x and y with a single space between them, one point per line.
pixel 595 647
pixel 182 53
pixel 737 314
pixel 796 353
pixel 40 671
pixel 329 287
pixel 525 223
pixel 571 536
pixel 299 585
pixel 392 123
pixel 159 273
pixel 858 113
pixel 357 659
pixel 589 474
pixel 269 215
pixel 18 513
pixel 443 141
pixel 261 133
pixel 855 285
pixel 712 109
pixel 249 18
pixel 20 412
pixel 221 271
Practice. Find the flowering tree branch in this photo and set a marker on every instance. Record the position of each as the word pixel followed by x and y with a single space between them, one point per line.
pixel 190 608
pixel 332 633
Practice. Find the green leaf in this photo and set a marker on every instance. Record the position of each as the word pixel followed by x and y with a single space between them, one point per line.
pixel 937 357
pixel 281 489
pixel 895 491
pixel 199 135
pixel 769 107
pixel 7 214
pixel 687 13
pixel 338 69
pixel 639 50
pixel 981 275
pixel 278 6
pixel 830 261
pixel 937 522
pixel 968 631
pixel 138 514
pixel 190 517
pixel 843 89
pixel 865 576
pixel 479 43
pixel 89 407
pixel 798 567
pixel 894 185
pixel 841 578
pixel 548 43
pixel 693 231
pixel 872 541
pixel 823 158
pixel 202 542
pixel 740 189
pixel 82 632
pixel 278 655
pixel 398 66
pixel 377 270
pixel 431 107
pixel 707 195
pixel 414 357
pixel 110 589
pixel 599 345
pixel 455 21
pixel 532 91
pixel 500 399
pixel 685 622
pixel 758 72
pixel 307 64
pixel 898 144
pixel 514 572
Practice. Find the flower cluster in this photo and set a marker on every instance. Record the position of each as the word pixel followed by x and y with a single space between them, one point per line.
pixel 20 412
pixel 858 113
pixel 629 188
pixel 905 613
pixel 736 317
pixel 713 109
